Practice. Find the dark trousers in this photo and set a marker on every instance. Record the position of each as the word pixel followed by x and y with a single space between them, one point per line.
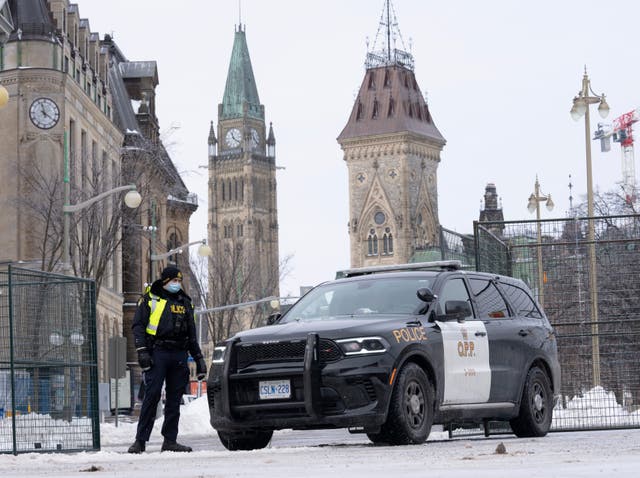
pixel 169 366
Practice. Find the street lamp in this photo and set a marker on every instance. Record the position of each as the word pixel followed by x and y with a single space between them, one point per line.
pixel 581 108
pixel 203 250
pixel 534 205
pixel 132 199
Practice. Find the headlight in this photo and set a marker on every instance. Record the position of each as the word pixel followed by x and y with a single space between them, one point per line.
pixel 218 354
pixel 363 345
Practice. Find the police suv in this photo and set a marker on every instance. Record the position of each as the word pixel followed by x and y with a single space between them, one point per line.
pixel 389 351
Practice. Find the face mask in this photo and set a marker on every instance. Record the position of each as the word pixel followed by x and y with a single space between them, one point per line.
pixel 173 287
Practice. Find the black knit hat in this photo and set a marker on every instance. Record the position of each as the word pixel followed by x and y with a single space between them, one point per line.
pixel 169 273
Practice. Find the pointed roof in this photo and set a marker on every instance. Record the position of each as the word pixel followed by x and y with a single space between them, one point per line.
pixel 389 100
pixel 212 135
pixel 240 92
pixel 31 20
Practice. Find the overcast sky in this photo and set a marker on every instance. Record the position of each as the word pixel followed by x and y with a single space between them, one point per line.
pixel 500 76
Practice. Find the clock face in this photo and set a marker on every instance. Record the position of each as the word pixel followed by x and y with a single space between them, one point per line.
pixel 255 138
pixel 232 138
pixel 44 113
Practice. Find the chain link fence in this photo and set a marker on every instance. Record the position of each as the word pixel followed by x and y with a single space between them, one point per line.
pixel 586 274
pixel 48 362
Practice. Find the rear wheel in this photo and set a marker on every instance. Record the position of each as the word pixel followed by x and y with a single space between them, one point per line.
pixel 536 406
pixel 251 440
pixel 411 410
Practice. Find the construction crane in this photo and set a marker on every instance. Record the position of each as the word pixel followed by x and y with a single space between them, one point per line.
pixel 622 132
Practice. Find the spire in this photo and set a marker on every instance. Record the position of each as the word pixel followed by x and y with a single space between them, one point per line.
pixel 271 142
pixel 31 20
pixel 271 139
pixel 240 93
pixel 212 135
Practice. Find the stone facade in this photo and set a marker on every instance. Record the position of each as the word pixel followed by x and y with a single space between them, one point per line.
pixel 69 115
pixel 243 221
pixel 392 151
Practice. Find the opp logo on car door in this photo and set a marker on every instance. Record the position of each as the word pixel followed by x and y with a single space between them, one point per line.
pixel 467 374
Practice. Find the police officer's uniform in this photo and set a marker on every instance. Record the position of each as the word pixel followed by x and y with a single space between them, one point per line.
pixel 164 331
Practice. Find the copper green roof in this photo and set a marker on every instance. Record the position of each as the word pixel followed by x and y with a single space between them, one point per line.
pixel 240 89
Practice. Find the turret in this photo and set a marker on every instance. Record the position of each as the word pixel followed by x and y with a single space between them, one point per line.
pixel 212 141
pixel 271 143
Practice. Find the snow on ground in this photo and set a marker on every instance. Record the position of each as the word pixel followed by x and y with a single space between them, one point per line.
pixel 300 453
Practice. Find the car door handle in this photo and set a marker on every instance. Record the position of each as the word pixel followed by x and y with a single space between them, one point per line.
pixel 523 333
pixel 480 334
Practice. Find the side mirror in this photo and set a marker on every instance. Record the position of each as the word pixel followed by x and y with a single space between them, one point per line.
pixel 273 318
pixel 426 295
pixel 457 309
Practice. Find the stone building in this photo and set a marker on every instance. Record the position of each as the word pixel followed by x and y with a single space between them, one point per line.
pixel 243 220
pixel 492 210
pixel 392 150
pixel 69 121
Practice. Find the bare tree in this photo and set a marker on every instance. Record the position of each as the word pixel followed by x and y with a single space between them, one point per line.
pixel 233 279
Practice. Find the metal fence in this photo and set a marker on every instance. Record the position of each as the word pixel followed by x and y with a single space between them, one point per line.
pixel 48 363
pixel 590 290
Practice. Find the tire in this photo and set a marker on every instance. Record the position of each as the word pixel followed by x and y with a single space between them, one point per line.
pixel 536 406
pixel 411 409
pixel 252 440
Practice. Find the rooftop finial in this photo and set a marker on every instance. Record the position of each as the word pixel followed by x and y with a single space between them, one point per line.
pixel 388 54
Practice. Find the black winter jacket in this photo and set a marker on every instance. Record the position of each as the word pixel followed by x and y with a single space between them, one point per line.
pixel 176 322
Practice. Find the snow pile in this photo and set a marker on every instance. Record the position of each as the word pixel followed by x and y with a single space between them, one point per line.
pixel 596 408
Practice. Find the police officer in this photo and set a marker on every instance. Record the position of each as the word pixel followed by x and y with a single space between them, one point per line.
pixel 164 331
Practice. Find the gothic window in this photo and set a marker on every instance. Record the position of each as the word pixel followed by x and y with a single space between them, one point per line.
pixel 235 192
pixel 392 107
pixel 359 111
pixel 239 230
pixel 387 242
pixel 229 190
pixel 379 218
pixel 372 81
pixel 372 243
pixel 172 244
pixel 241 189
pixel 387 80
pixel 374 113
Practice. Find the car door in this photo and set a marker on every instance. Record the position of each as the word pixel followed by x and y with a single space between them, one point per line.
pixel 506 354
pixel 467 375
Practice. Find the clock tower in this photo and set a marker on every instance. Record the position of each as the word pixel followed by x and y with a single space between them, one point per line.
pixel 243 221
pixel 392 150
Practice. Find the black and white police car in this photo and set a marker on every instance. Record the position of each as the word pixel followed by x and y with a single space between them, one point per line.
pixel 389 351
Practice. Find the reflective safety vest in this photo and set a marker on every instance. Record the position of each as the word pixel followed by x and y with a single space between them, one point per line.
pixel 156 305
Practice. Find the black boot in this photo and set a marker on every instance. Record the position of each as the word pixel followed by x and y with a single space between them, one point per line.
pixel 174 446
pixel 137 447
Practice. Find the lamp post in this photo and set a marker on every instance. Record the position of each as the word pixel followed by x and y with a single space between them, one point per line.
pixel 534 205
pixel 580 108
pixel 203 250
pixel 132 199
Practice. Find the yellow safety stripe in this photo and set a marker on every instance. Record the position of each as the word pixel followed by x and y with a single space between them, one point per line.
pixel 156 305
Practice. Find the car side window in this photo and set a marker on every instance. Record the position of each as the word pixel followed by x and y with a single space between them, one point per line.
pixel 454 290
pixel 488 299
pixel 521 301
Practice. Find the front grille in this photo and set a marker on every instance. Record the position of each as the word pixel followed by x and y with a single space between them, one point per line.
pixel 287 351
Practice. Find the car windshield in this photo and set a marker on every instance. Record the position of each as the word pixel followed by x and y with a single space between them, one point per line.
pixel 375 296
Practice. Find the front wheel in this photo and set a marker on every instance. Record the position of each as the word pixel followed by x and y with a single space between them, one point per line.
pixel 536 406
pixel 251 440
pixel 411 410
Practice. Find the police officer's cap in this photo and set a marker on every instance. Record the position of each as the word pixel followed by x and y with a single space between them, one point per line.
pixel 169 273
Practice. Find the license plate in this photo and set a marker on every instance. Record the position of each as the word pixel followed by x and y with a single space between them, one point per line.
pixel 270 389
